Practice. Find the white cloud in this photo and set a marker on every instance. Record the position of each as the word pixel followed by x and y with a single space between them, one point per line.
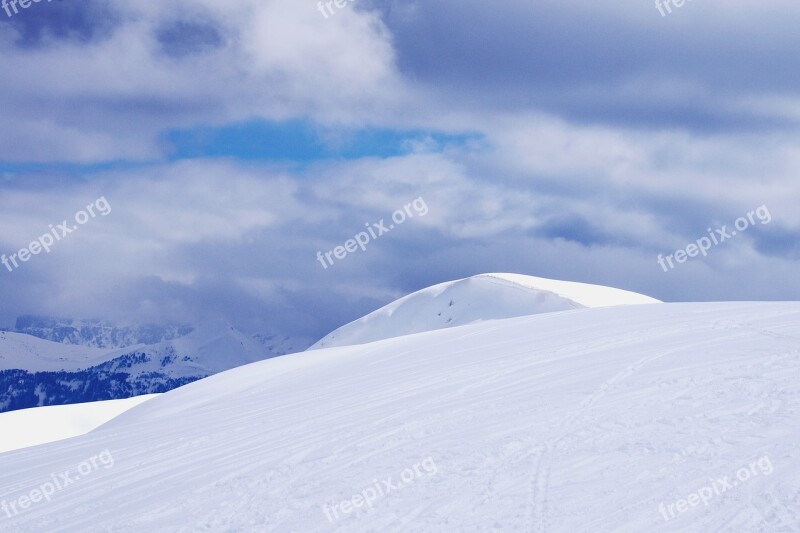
pixel 109 98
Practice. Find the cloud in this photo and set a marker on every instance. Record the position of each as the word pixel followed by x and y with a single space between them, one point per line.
pixel 210 237
pixel 703 68
pixel 109 94
pixel 56 23
pixel 183 38
pixel 561 139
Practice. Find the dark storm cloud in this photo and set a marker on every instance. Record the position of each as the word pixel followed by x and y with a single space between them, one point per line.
pixel 183 38
pixel 600 62
pixel 576 228
pixel 62 20
pixel 777 242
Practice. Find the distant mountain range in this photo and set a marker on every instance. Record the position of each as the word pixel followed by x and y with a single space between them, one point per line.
pixel 48 361
pixel 97 334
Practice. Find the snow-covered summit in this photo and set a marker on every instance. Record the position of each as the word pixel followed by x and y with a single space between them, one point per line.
pixel 214 347
pixel 473 299
pixel 584 294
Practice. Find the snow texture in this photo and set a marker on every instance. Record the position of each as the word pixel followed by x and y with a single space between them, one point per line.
pixel 578 421
pixel 474 299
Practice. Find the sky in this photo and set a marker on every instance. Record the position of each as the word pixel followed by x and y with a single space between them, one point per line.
pixel 233 141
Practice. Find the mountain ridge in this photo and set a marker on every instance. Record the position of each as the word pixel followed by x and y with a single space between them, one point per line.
pixel 35 372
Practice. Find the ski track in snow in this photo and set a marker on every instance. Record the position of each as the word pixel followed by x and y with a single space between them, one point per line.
pixel 581 421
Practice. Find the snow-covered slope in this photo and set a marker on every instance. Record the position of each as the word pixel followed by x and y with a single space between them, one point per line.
pixel 32 353
pixel 40 425
pixel 469 300
pixel 574 422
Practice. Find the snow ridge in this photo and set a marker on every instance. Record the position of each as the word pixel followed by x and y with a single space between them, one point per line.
pixel 474 299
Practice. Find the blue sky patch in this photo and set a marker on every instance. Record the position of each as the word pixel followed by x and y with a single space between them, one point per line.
pixel 302 141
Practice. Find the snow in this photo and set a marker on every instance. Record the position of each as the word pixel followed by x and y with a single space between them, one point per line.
pixel 218 346
pixel 212 348
pixel 470 300
pixel 578 421
pixel 40 425
pixel 585 294
pixel 20 351
pixel 97 333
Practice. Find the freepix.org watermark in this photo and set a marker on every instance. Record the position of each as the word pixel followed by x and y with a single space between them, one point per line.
pixel 715 237
pixel 369 495
pixel 56 233
pixel 57 482
pixel 10 6
pixel 373 232
pixel 716 487
pixel 665 8
pixel 326 7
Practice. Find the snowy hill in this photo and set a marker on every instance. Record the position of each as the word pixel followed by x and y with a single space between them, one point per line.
pixel 40 425
pixel 673 417
pixel 469 300
pixel 35 372
pixel 32 353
